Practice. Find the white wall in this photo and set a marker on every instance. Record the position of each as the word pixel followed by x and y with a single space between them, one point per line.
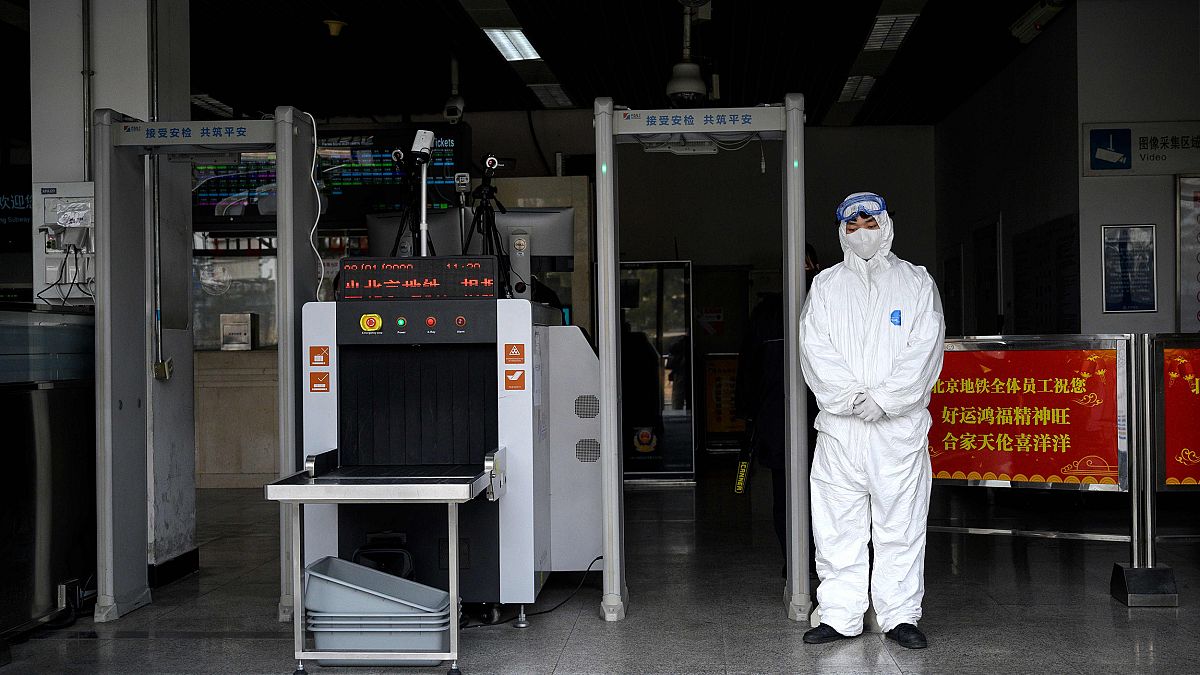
pixel 56 91
pixel 1138 62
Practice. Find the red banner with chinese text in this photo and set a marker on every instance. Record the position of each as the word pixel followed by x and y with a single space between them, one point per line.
pixel 1181 414
pixel 1034 416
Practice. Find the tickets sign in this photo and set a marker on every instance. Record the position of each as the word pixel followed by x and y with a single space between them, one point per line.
pixel 1027 416
pixel 1181 417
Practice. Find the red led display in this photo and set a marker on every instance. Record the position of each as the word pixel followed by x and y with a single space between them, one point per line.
pixel 417 278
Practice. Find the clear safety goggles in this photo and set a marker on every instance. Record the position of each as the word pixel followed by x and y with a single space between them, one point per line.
pixel 870 204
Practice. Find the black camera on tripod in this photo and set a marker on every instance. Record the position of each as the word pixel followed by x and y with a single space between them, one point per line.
pixel 491 164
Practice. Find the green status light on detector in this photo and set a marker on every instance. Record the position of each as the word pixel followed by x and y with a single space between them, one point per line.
pixel 402 322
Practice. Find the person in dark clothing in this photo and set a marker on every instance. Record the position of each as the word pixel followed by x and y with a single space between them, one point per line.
pixel 761 393
pixel 679 362
pixel 641 391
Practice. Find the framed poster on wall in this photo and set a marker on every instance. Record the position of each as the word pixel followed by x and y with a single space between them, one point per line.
pixel 1130 284
pixel 1187 227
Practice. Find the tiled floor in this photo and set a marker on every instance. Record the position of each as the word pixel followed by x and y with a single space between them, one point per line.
pixel 706 597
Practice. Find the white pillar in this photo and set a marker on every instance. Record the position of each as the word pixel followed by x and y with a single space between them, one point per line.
pixel 120 58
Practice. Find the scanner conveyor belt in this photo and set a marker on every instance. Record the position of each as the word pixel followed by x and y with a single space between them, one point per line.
pixel 383 484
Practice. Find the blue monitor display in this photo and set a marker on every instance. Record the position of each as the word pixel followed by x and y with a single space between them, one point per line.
pixel 355 170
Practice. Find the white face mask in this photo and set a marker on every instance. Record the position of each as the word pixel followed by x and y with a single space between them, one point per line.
pixel 865 243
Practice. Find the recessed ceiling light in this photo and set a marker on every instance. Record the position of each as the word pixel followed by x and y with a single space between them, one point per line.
pixel 889 31
pixel 552 95
pixel 512 44
pixel 856 88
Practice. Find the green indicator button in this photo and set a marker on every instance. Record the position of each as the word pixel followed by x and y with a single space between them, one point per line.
pixel 402 322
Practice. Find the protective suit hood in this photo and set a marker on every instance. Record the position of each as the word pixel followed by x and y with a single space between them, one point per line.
pixel 886 235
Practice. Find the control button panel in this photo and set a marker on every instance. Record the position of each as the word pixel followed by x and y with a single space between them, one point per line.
pixel 416 322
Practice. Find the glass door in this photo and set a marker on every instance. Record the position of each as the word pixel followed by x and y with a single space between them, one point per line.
pixel 658 438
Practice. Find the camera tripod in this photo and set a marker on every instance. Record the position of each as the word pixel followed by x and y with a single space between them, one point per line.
pixel 484 222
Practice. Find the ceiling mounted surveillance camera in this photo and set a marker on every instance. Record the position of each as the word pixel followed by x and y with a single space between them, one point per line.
pixel 686 87
pixel 453 108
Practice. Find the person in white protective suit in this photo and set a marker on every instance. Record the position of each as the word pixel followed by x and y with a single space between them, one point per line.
pixel 871 339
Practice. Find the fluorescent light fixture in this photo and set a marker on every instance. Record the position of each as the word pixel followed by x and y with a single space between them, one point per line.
pixel 512 44
pixel 552 95
pixel 889 31
pixel 856 88
pixel 212 105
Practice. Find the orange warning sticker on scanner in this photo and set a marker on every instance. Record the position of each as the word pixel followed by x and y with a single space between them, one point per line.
pixel 318 356
pixel 514 380
pixel 318 382
pixel 514 354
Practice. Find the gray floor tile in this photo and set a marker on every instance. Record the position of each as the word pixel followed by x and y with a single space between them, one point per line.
pixel 706 597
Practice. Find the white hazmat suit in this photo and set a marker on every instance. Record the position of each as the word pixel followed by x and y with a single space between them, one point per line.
pixel 871 326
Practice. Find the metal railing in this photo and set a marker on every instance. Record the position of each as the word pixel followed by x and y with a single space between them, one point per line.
pixel 1140 430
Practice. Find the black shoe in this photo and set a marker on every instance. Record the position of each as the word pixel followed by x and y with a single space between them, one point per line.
pixel 908 635
pixel 822 634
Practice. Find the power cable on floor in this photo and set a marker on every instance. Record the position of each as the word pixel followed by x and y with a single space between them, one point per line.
pixel 544 611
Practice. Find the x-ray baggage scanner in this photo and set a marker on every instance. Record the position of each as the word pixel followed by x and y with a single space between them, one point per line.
pixel 435 412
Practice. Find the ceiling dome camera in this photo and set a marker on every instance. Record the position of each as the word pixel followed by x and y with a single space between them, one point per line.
pixel 686 88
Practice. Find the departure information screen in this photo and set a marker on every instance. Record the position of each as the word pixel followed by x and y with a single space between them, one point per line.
pixel 417 278
pixel 355 171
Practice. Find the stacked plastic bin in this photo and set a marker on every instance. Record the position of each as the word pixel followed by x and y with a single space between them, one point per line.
pixel 353 608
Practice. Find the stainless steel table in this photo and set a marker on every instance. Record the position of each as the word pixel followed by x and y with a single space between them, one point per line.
pixel 322 482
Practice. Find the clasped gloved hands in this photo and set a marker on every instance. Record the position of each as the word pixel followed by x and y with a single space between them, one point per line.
pixel 866 409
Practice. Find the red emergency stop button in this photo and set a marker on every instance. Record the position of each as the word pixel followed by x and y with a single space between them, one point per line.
pixel 460 321
pixel 430 321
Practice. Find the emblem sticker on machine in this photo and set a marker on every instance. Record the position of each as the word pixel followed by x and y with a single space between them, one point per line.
pixel 318 382
pixel 370 322
pixel 514 354
pixel 318 356
pixel 514 380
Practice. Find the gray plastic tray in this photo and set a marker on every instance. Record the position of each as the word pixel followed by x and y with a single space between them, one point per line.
pixel 380 640
pixel 409 622
pixel 414 614
pixel 336 585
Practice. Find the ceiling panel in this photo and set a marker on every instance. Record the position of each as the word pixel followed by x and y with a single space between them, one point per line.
pixel 393 57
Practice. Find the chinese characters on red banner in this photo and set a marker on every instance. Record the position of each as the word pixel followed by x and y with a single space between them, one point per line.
pixel 1181 403
pixel 1047 416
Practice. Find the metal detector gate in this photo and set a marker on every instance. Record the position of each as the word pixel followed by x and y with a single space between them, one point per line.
pixel 126 320
pixel 616 125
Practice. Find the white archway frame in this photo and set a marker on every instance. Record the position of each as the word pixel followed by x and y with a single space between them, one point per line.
pixel 614 126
